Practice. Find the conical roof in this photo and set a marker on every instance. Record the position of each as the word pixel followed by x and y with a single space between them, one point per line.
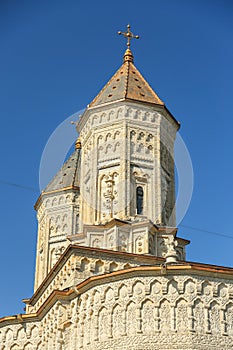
pixel 68 176
pixel 127 84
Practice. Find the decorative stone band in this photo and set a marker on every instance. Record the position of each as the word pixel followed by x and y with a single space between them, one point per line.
pixel 188 304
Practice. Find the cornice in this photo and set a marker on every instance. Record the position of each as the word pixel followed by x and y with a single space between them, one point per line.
pixel 43 194
pixel 77 249
pixel 138 271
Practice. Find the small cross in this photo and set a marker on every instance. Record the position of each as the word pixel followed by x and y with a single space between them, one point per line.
pixel 129 35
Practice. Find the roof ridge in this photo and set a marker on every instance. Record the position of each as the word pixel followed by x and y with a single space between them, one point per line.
pixel 105 86
pixel 66 175
pixel 147 84
pixel 76 165
pixel 127 78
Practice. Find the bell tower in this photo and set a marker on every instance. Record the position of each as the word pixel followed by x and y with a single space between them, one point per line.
pixel 117 190
pixel 127 136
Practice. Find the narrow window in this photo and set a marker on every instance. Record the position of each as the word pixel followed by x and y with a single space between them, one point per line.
pixel 139 200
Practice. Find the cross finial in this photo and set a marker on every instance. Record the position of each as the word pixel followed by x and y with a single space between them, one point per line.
pixel 129 35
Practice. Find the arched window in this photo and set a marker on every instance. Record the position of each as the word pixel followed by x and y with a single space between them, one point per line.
pixel 139 200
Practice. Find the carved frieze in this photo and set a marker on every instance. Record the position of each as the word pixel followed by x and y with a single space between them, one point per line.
pixel 160 310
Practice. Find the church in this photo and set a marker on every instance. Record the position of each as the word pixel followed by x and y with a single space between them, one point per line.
pixel 111 271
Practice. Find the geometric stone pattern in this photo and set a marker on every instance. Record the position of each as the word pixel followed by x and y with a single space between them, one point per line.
pixel 79 265
pixel 113 315
pixel 138 237
pixel 126 145
pixel 57 215
pixel 123 146
pixel 133 312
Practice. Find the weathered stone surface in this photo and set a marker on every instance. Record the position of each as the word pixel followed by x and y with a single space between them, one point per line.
pixel 143 312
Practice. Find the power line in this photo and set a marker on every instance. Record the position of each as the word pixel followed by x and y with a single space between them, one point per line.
pixel 207 231
pixel 17 185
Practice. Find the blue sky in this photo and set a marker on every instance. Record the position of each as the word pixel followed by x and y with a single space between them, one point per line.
pixel 55 56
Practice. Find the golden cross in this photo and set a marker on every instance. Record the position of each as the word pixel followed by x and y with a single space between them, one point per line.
pixel 129 35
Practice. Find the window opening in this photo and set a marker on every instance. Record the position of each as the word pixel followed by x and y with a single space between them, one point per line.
pixel 139 200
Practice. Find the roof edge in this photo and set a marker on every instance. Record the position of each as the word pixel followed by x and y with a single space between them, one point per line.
pixel 88 283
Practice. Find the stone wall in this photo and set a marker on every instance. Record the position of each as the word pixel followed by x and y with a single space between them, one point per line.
pixel 145 311
pixel 125 146
pixel 57 216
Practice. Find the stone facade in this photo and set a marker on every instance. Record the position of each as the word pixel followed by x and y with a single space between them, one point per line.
pixel 142 308
pixel 57 217
pixel 110 269
pixel 123 147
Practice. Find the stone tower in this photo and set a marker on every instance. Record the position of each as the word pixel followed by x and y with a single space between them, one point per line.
pixel 117 190
pixel 110 269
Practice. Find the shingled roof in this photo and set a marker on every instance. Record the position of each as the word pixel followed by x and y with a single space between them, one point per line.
pixel 68 175
pixel 127 84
